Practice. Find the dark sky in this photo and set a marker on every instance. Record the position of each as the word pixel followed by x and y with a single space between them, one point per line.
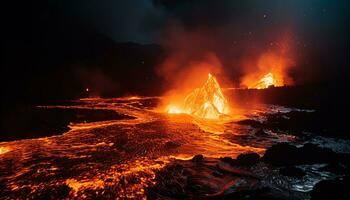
pixel 44 38
pixel 319 28
pixel 143 20
pixel 122 20
pixel 320 25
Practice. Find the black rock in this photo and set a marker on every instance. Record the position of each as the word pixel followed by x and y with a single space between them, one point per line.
pixel 250 122
pixel 284 154
pixel 334 168
pixel 311 153
pixel 281 154
pixel 261 132
pixel 331 189
pixel 198 158
pixel 228 160
pixel 292 171
pixel 248 159
pixel 344 158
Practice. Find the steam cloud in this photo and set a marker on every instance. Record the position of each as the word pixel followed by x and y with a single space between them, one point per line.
pixel 239 32
pixel 229 32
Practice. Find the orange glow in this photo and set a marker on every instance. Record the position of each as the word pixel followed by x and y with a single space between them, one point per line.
pixel 126 175
pixel 4 150
pixel 271 72
pixel 205 102
pixel 270 68
pixel 267 81
pixel 131 97
pixel 174 109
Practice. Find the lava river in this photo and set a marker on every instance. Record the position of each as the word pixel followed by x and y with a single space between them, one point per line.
pixel 119 158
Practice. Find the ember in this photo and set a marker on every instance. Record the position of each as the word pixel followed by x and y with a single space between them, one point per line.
pixel 205 102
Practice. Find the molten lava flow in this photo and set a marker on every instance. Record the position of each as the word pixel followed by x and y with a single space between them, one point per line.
pixel 4 150
pixel 205 102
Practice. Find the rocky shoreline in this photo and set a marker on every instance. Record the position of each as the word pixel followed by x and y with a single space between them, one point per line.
pixel 278 174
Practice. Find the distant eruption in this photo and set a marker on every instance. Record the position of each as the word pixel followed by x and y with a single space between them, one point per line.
pixel 205 102
pixel 270 69
pixel 266 81
pixel 192 54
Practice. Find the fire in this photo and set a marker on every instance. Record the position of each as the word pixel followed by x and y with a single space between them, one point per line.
pixel 205 102
pixel 174 109
pixel 271 71
pixel 272 66
pixel 266 81
pixel 4 150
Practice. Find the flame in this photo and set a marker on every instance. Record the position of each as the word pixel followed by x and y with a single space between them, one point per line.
pixel 4 150
pixel 174 109
pixel 205 102
pixel 271 71
pixel 266 81
pixel 272 67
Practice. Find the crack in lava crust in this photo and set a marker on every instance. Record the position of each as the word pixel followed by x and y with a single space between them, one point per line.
pixel 110 159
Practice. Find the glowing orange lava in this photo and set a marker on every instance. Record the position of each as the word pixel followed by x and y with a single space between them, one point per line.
pixel 271 67
pixel 205 102
pixel 271 71
pixel 4 150
pixel 267 81
pixel 119 159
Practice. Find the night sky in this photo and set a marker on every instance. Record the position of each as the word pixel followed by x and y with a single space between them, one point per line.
pixel 143 21
pixel 65 43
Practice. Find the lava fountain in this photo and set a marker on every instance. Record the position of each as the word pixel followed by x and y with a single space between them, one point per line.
pixel 271 71
pixel 267 81
pixel 270 68
pixel 206 102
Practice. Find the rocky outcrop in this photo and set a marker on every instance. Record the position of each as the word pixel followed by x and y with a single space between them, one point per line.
pixel 284 154
pixel 331 189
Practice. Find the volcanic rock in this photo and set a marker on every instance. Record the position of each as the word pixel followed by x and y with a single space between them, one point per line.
pixel 284 154
pixel 261 132
pixel 250 122
pixel 228 160
pixel 311 153
pixel 198 158
pixel 207 180
pixel 331 189
pixel 281 154
pixel 248 159
pixel 334 168
pixel 292 171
